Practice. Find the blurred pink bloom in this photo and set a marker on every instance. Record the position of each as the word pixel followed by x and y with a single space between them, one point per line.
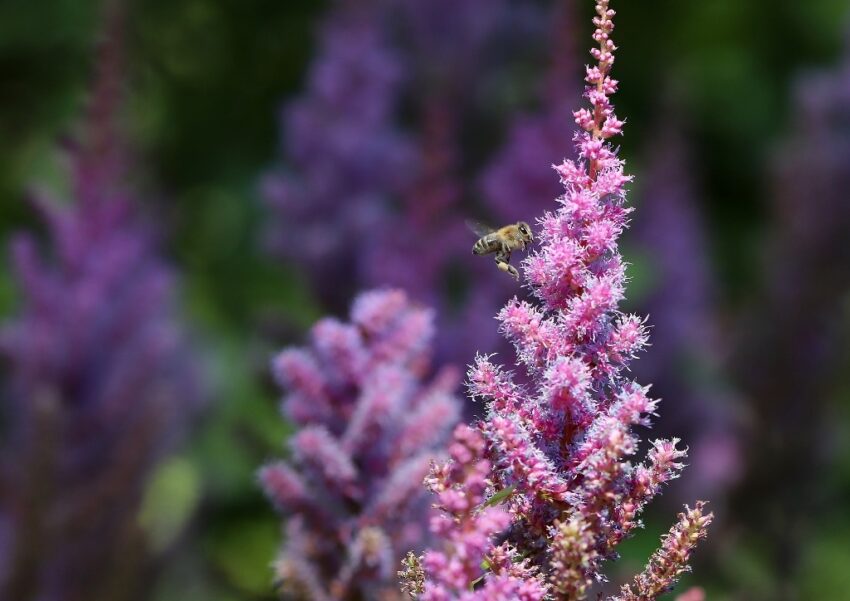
pixel 694 593
pixel 370 426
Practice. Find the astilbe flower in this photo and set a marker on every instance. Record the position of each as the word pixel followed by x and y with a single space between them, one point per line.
pixel 461 485
pixel 558 449
pixel 369 426
pixel 99 378
pixel 345 155
pixel 670 561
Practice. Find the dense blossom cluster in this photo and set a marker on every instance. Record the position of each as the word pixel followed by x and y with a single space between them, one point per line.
pixel 558 449
pixel 368 429
pixel 671 560
pixel 468 527
pixel 98 379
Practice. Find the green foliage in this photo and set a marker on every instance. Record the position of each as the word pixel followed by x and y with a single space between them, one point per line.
pixel 826 557
pixel 170 500
pixel 241 550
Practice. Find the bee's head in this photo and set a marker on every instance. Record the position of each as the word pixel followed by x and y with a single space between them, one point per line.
pixel 525 230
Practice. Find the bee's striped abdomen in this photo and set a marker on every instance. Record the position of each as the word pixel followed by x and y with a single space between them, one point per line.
pixel 487 244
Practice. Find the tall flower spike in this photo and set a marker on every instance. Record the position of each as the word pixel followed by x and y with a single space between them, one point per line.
pixel 671 560
pixel 99 378
pixel 370 426
pixel 559 448
pixel 345 155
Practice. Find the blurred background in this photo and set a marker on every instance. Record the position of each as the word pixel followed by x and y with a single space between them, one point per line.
pixel 185 187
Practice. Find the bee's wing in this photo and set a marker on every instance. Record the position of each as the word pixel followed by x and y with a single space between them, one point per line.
pixel 478 228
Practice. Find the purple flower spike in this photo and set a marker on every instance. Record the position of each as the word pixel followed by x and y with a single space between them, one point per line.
pixel 370 429
pixel 99 380
pixel 346 156
pixel 538 495
pixel 468 530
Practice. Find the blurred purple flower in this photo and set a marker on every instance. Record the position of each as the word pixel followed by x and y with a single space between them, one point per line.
pixel 426 243
pixel 99 378
pixel 345 156
pixel 694 593
pixel 369 428
pixel 400 221
pixel 447 40
pixel 519 182
pixel 557 453
pixel 792 347
pixel 684 361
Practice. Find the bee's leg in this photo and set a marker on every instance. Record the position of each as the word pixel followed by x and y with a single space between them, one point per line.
pixel 502 260
pixel 509 269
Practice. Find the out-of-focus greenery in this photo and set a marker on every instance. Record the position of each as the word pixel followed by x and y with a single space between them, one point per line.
pixel 206 80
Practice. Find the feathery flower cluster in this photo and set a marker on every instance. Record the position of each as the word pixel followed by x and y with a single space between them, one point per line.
pixel 668 563
pixel 559 448
pixel 369 429
pixel 468 528
pixel 98 380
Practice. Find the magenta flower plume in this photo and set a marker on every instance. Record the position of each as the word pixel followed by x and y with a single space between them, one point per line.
pixel 468 528
pixel 558 449
pixel 369 428
pixel 671 560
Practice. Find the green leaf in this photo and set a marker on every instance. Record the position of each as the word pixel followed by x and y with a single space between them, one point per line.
pixel 499 497
pixel 170 500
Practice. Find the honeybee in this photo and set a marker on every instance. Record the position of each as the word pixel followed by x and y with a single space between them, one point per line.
pixel 502 241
